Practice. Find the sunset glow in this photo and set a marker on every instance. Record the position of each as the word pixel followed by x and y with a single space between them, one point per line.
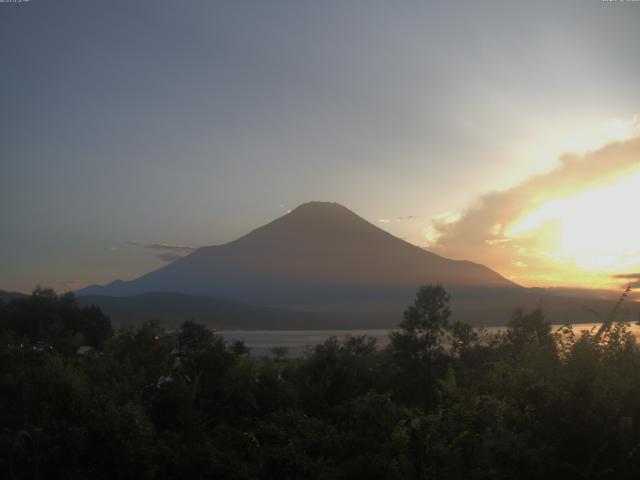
pixel 571 226
pixel 595 229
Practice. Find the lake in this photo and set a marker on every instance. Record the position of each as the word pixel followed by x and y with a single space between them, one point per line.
pixel 297 341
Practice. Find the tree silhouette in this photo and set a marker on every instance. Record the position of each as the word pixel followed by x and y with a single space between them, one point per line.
pixel 419 341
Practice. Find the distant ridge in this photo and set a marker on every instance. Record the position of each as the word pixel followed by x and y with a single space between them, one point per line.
pixel 489 307
pixel 171 309
pixel 8 296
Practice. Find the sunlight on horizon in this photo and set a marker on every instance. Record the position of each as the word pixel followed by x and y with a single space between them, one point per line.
pixel 593 230
pixel 568 226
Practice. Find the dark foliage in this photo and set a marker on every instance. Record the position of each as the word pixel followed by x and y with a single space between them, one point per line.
pixel 443 401
pixel 56 320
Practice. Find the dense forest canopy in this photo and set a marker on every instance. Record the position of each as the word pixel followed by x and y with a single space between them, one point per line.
pixel 441 401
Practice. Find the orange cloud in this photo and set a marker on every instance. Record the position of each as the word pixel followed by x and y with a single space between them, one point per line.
pixel 485 231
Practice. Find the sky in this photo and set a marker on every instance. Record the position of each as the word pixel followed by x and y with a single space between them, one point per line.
pixel 132 132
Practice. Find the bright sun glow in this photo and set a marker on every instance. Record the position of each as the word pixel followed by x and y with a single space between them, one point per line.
pixel 614 130
pixel 596 230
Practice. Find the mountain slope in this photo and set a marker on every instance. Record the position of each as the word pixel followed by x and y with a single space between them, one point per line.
pixel 320 253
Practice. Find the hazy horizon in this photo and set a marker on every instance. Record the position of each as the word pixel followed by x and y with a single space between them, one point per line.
pixel 503 134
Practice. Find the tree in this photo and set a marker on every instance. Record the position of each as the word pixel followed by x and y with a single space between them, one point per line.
pixel 280 353
pixel 195 338
pixel 239 349
pixel 57 320
pixel 529 328
pixel 420 340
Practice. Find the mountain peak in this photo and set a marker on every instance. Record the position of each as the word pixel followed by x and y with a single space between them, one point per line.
pixel 319 205
pixel 321 208
pixel 316 222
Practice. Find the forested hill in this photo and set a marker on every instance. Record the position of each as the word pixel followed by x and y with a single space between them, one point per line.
pixel 82 401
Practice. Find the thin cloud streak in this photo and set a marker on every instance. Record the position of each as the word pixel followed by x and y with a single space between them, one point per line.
pixel 169 257
pixel 170 252
pixel 634 277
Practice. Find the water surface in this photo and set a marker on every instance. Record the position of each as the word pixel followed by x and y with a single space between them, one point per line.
pixel 297 341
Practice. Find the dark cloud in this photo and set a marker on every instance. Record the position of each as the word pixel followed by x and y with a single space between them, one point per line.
pixel 169 252
pixel 627 275
pixel 164 246
pixel 634 277
pixel 169 257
